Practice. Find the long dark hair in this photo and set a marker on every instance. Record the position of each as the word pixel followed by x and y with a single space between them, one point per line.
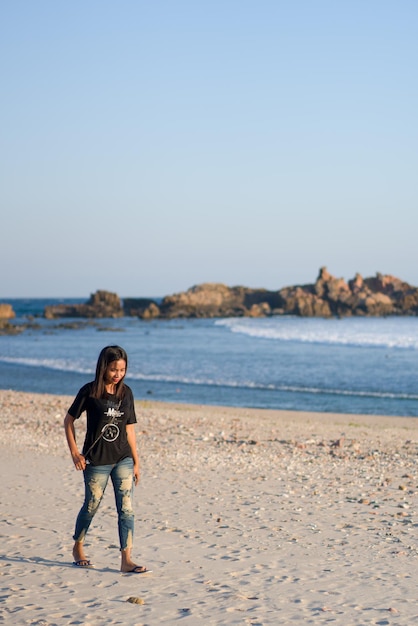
pixel 107 356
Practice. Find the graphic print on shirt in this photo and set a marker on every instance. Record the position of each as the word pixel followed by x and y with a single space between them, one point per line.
pixel 111 430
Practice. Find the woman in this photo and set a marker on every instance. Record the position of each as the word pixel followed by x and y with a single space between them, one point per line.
pixel 109 450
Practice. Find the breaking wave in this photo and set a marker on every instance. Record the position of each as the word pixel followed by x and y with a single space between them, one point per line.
pixel 384 333
pixel 66 366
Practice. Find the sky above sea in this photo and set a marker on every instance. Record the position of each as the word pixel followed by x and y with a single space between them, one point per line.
pixel 151 146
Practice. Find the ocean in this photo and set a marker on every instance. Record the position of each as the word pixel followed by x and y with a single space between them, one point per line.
pixel 351 365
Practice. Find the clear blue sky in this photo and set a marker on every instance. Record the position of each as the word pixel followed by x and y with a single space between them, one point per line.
pixel 150 146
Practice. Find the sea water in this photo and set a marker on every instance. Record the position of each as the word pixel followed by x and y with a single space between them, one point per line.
pixel 351 365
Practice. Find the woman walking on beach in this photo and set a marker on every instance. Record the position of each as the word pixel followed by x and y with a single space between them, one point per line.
pixel 109 451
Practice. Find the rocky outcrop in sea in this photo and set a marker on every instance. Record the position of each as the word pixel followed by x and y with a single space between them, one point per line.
pixel 6 314
pixel 380 295
pixel 6 311
pixel 100 305
pixel 328 296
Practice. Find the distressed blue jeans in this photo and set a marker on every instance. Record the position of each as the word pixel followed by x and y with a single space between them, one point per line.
pixel 95 480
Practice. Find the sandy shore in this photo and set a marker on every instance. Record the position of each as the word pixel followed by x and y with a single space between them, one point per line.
pixel 244 517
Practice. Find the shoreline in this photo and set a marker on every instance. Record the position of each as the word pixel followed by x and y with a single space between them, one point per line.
pixel 44 414
pixel 245 516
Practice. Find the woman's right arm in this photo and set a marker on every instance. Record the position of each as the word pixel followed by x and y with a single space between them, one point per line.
pixel 78 459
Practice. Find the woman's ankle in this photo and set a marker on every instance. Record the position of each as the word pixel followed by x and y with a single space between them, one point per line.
pixel 78 551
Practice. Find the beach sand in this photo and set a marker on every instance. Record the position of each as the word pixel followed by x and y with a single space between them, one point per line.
pixel 243 516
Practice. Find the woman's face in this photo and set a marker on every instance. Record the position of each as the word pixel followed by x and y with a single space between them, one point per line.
pixel 115 371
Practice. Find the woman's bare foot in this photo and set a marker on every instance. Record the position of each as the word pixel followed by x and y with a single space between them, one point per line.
pixel 79 556
pixel 135 569
pixel 127 566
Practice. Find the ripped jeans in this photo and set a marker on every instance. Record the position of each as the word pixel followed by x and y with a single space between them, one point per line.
pixel 95 481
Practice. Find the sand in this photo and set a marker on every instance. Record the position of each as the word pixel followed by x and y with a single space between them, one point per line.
pixel 243 516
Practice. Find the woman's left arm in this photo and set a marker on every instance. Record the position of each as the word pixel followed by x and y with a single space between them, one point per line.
pixel 130 433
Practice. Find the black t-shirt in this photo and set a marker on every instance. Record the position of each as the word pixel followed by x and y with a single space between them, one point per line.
pixel 109 415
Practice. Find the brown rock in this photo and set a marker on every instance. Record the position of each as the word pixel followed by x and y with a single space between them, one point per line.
pixel 356 284
pixel 141 307
pixel 328 296
pixel 218 300
pixel 385 283
pixel 6 311
pixel 260 310
pixel 378 296
pixel 379 304
pixel 408 302
pixel 101 304
pixel 151 312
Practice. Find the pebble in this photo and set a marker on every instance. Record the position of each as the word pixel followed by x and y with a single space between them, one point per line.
pixel 135 600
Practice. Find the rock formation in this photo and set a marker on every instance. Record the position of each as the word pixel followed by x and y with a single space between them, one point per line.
pixel 101 304
pixel 327 297
pixel 330 296
pixel 6 311
pixel 218 300
pixel 141 307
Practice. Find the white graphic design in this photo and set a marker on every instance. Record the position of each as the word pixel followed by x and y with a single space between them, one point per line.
pixel 111 432
pixel 112 412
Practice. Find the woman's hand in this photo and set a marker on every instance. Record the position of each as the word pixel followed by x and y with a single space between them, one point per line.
pixel 136 473
pixel 130 433
pixel 79 461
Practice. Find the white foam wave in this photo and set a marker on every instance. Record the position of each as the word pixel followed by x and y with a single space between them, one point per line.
pixel 54 364
pixel 378 333
pixel 68 366
pixel 184 380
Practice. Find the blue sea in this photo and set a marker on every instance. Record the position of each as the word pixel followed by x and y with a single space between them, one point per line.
pixel 352 365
